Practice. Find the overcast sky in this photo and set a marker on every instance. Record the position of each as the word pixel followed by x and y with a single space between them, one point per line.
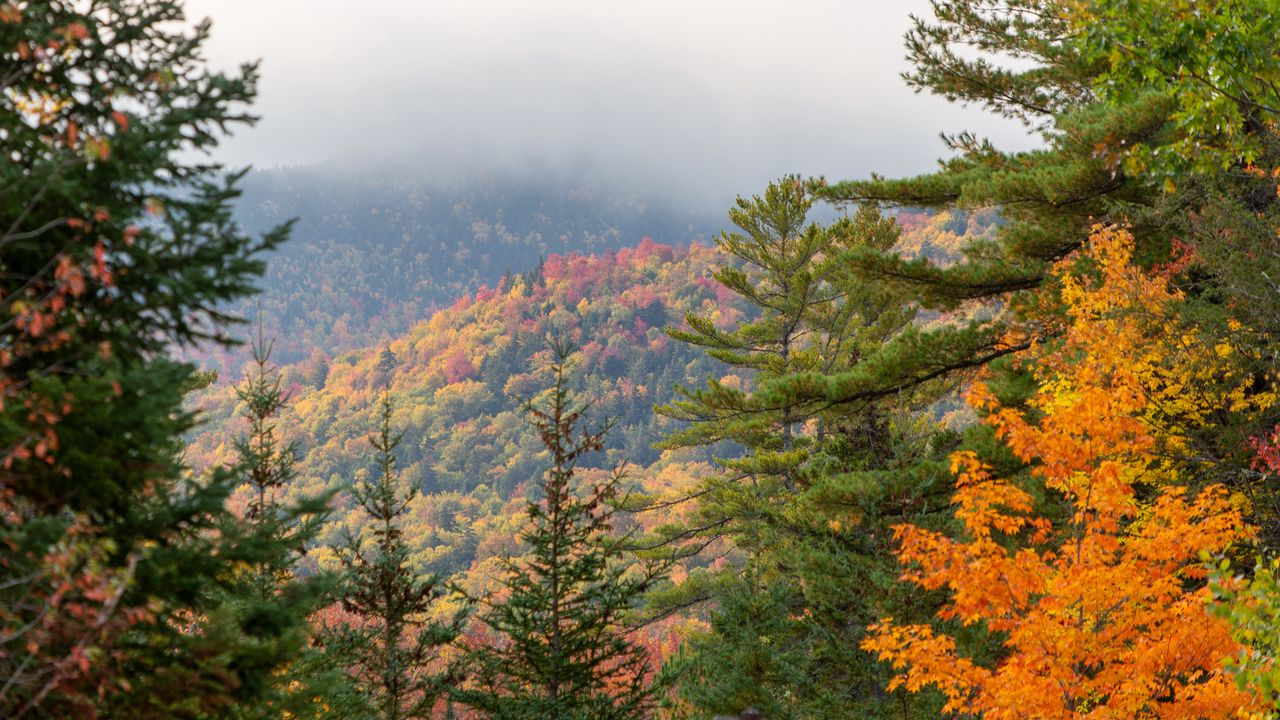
pixel 713 97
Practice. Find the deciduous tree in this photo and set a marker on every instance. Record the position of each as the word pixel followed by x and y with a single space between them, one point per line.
pixel 1102 609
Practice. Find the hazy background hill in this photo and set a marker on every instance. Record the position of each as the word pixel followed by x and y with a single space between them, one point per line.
pixel 373 254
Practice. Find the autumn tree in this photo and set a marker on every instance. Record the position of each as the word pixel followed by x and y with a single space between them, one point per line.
pixel 389 637
pixel 117 246
pixel 1217 161
pixel 1100 608
pixel 560 647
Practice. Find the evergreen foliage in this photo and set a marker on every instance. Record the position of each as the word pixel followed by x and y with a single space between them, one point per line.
pixel 389 637
pixel 810 573
pixel 812 318
pixel 276 603
pixel 1114 332
pixel 117 246
pixel 1156 117
pixel 1031 70
pixel 560 647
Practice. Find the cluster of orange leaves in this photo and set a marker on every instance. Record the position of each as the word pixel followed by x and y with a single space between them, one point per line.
pixel 1102 610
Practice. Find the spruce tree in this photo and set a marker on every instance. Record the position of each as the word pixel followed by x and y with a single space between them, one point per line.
pixel 386 366
pixel 118 246
pixel 276 600
pixel 391 644
pixel 560 647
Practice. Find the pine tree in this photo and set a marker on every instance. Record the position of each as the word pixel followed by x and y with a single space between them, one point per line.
pixel 1133 136
pixel 391 643
pixel 810 571
pixel 812 320
pixel 1048 197
pixel 1108 116
pixel 560 646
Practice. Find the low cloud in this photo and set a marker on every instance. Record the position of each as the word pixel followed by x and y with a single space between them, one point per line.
pixel 704 98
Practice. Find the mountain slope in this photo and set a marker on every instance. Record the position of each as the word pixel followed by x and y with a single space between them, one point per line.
pixel 372 255
pixel 457 377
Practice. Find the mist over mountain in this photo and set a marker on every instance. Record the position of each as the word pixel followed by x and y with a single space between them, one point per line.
pixel 371 254
pixel 704 99
pixel 666 360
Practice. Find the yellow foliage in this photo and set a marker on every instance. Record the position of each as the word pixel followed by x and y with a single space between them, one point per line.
pixel 1123 333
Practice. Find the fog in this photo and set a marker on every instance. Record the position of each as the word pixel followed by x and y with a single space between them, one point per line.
pixel 700 98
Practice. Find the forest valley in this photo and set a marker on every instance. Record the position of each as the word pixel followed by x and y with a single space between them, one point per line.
pixel 997 441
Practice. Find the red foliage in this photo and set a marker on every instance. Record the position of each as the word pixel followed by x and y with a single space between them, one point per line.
pixel 649 249
pixel 1181 256
pixel 1268 451
pixel 639 297
pixel 458 367
pixel 57 631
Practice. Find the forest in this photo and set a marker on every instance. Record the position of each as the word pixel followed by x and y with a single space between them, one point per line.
pixel 1001 440
pixel 369 257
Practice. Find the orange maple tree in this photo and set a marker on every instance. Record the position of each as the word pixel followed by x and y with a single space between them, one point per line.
pixel 1102 609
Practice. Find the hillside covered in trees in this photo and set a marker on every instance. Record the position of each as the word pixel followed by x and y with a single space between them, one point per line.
pixel 998 441
pixel 456 380
pixel 372 254
pixel 457 377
